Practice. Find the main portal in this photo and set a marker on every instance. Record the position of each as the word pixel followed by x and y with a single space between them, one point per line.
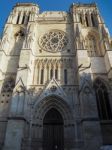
pixel 53 131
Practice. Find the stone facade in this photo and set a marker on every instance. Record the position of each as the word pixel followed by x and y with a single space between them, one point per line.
pixel 55 80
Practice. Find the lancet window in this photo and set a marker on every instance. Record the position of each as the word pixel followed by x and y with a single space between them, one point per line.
pixel 42 76
pixel 103 104
pixel 28 17
pixel 87 21
pixel 51 73
pixel 92 46
pixel 18 18
pixel 93 20
pixel 65 76
pixel 23 19
pixel 80 18
pixel 52 68
pixel 56 73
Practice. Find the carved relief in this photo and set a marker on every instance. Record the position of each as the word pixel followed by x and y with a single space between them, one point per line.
pixel 8 85
pixel 68 63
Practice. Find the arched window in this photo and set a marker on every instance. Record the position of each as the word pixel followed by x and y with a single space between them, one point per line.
pixel 56 73
pixel 93 20
pixel 28 17
pixel 42 76
pixel 102 98
pixel 87 22
pixel 23 19
pixel 80 18
pixel 51 73
pixel 92 46
pixel 65 76
pixel 17 22
pixel 8 85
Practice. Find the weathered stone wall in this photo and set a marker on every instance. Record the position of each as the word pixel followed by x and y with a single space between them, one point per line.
pixel 53 58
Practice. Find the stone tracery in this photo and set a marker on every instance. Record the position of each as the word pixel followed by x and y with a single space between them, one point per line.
pixel 52 68
pixel 54 41
pixel 8 85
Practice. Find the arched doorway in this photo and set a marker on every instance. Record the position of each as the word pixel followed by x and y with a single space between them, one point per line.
pixel 53 134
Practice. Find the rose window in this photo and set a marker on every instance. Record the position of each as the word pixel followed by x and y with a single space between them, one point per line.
pixel 54 41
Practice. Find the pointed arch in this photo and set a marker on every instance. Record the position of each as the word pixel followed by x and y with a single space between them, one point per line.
pixel 18 18
pixel 42 76
pixel 55 102
pixel 52 116
pixel 102 98
pixel 28 18
pixel 93 21
pixel 87 20
pixel 93 46
pixel 23 19
pixel 80 18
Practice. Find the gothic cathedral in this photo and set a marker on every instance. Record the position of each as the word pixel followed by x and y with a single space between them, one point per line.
pixel 55 80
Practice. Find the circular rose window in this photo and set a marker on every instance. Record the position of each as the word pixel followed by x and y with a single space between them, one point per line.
pixel 53 41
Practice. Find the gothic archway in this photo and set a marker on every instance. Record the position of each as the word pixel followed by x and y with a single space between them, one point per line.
pixel 60 108
pixel 53 130
pixel 53 101
pixel 102 97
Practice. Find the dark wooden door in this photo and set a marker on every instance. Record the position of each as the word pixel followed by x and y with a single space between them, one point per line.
pixel 53 137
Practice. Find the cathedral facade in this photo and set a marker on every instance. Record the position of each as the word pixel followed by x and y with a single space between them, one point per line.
pixel 55 80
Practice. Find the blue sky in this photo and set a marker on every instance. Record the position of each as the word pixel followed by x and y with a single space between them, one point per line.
pixel 105 7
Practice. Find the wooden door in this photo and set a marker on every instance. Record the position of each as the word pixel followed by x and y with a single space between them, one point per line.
pixel 53 135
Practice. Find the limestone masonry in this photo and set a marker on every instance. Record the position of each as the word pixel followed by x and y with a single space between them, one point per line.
pixel 55 80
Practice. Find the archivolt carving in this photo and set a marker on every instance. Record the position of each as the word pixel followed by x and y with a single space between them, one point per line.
pixel 53 102
pixel 54 41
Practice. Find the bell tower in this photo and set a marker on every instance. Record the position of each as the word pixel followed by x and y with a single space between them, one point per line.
pixel 13 45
